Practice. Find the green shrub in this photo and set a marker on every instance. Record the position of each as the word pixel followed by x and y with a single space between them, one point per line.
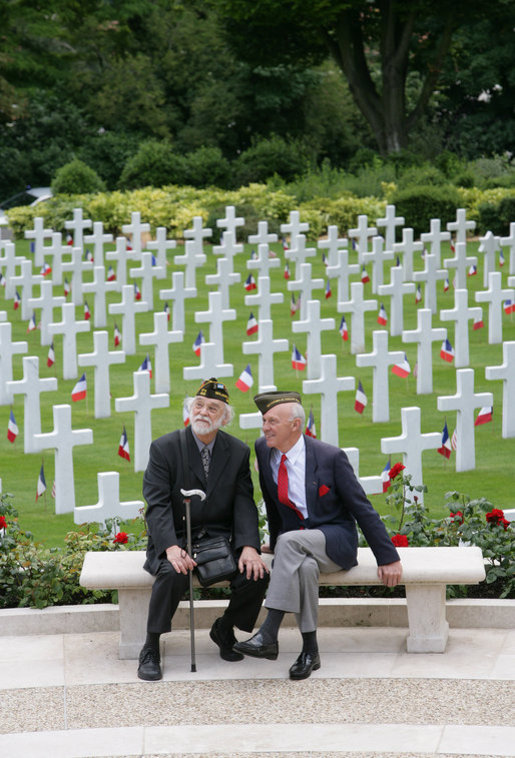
pixel 497 216
pixel 154 165
pixel 76 178
pixel 206 167
pixel 268 157
pixel 108 153
pixel 419 205
pixel 421 176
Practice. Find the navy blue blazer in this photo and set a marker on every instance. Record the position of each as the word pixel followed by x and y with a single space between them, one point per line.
pixel 335 502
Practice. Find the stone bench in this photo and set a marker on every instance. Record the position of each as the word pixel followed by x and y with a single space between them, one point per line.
pixel 426 572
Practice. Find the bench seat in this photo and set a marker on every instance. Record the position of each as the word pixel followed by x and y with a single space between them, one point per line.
pixel 426 573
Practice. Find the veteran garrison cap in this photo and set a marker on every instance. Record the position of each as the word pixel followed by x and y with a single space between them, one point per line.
pixel 214 389
pixel 267 400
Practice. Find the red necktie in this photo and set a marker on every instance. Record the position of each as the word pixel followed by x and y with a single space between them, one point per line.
pixel 282 487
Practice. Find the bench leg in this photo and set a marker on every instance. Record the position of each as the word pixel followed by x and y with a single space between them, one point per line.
pixel 133 606
pixel 428 627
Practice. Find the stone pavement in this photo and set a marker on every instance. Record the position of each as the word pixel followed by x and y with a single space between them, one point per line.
pixel 68 695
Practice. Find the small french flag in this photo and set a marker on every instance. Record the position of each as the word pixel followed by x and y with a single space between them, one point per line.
pixel 484 415
pixel 361 399
pixel 364 276
pixel 344 332
pixel 250 283
pixel 146 365
pixel 385 476
pixel 418 294
pixel 66 287
pixel 286 273
pixel 446 351
pixel 87 312
pixel 50 359
pixel 472 270
pixel 12 428
pixel 80 389
pixel 310 426
pixel 111 276
pixel 478 323
pixel 245 380
pixel 294 305
pixel 445 448
pixel 45 269
pixel 137 292
pixel 328 292
pixel 32 323
pixel 117 336
pixel 166 309
pixel 41 485
pixel 123 447
pixel 198 343
pixel 509 306
pixel 402 369
pixel 446 284
pixel 17 300
pixel 382 318
pixel 298 361
pixel 501 258
pixel 252 325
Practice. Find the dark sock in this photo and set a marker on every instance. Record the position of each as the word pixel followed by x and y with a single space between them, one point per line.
pixel 153 640
pixel 310 644
pixel 270 626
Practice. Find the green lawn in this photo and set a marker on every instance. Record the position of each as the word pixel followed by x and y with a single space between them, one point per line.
pixel 492 477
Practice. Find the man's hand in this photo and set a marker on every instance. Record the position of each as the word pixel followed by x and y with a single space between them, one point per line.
pixel 251 562
pixel 180 559
pixel 390 574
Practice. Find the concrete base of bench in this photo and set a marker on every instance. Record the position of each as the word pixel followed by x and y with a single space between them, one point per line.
pixel 426 572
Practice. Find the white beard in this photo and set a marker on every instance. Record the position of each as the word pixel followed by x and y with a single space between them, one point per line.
pixel 202 426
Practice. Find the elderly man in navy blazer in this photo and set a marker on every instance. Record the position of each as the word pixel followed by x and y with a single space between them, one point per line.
pixel 313 501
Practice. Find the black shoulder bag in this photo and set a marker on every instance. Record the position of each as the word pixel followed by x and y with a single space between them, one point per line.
pixel 213 555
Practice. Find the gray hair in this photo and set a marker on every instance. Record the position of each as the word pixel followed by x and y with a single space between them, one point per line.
pixel 298 411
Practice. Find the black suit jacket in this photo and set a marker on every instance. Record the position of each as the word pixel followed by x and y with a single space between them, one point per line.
pixel 335 501
pixel 229 508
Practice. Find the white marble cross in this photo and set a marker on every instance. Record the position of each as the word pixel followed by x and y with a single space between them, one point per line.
pixel 8 262
pixel 390 222
pixel 121 255
pixel 265 347
pixel 357 307
pixel 313 325
pixel 397 289
pixel 429 276
pixel 142 403
pixel 298 252
pixel 510 242
pixel 263 299
pixel 341 271
pixel 63 439
pixel 39 234
pixel 98 239
pixel 434 238
pixel 406 248
pixel 109 505
pixel 380 359
pixel 495 296
pixel 294 227
pixel 372 485
pixel 135 229
pixel 77 225
pixel 26 280
pixel 46 302
pixel 506 372
pixel 328 385
pixel 77 266
pixel 225 277
pixel 378 255
pixel 161 338
pixel 31 387
pixel 147 273
pixel 69 328
pixel 8 348
pixel 178 294
pixel 209 366
pixel 231 221
pixel 192 260
pixel 263 262
pixel 228 247
pixel 57 250
pixel 305 284
pixel 128 307
pixel 411 443
pixel 215 317
pixel 461 226
pixel 99 286
pixel 489 245
pixel 461 314
pixel 333 244
pixel 465 401
pixel 101 359
pixel 461 262
pixel 424 335
pixel 361 234
pixel 161 245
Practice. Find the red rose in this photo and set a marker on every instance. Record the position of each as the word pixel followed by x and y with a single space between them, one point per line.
pixel 505 523
pixel 495 516
pixel 458 517
pixel 121 538
pixel 395 470
pixel 3 522
pixel 400 540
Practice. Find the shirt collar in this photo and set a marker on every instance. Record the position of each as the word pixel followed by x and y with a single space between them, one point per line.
pixel 294 452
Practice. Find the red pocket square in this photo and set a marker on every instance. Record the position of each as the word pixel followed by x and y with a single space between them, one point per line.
pixel 323 490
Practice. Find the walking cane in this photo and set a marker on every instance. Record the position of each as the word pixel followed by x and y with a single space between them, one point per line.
pixel 187 495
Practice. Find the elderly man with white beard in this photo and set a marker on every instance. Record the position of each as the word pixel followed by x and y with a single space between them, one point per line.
pixel 218 464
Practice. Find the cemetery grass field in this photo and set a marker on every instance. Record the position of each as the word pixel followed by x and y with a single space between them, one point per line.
pixel 495 456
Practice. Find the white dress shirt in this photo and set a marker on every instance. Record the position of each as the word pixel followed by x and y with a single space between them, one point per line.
pixel 296 468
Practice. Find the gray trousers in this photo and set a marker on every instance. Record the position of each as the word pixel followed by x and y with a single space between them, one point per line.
pixel 299 557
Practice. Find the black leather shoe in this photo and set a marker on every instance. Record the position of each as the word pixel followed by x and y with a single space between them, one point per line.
pixel 149 668
pixel 304 665
pixel 256 647
pixel 225 642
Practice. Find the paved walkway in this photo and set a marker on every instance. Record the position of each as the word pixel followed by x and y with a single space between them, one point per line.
pixel 69 695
